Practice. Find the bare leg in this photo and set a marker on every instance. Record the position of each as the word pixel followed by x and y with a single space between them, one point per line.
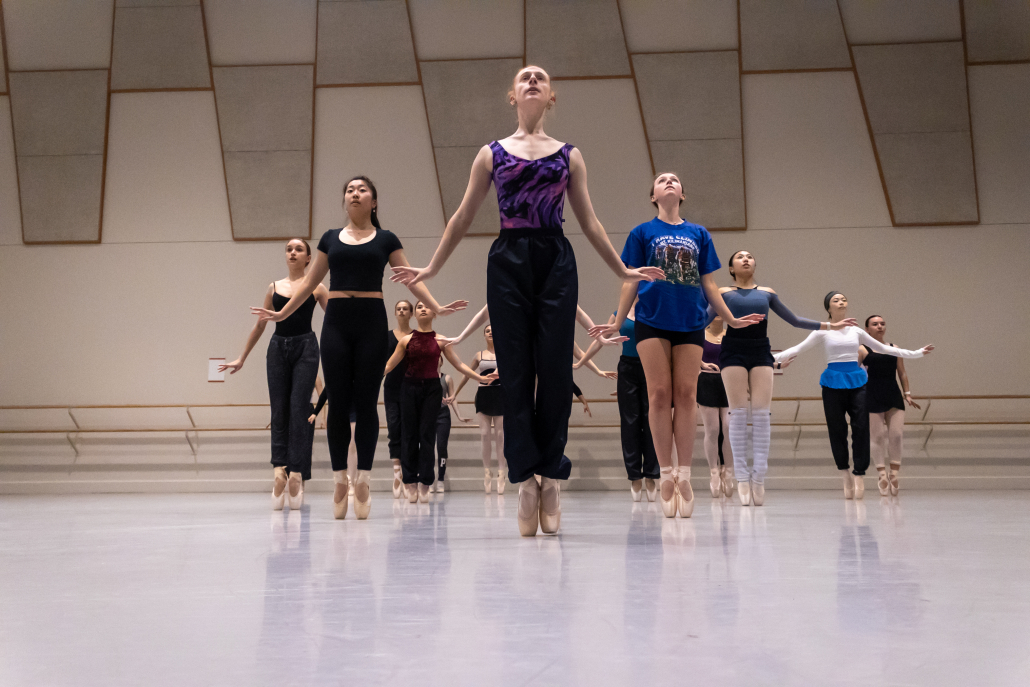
pixel 484 446
pixel 686 365
pixel 656 359
pixel 878 438
pixel 710 420
pixel 736 381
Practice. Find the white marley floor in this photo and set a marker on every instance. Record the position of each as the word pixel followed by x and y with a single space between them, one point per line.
pixel 211 589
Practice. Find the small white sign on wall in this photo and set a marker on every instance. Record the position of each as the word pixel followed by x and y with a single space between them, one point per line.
pixel 213 375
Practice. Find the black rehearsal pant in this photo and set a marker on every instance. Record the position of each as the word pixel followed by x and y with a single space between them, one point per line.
pixel 420 408
pixel 292 365
pixel 637 446
pixel 532 289
pixel 837 403
pixel 443 435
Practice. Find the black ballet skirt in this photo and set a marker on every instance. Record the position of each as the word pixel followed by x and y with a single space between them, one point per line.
pixel 882 390
pixel 490 398
pixel 711 392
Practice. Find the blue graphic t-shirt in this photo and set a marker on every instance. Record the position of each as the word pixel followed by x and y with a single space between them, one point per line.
pixel 685 252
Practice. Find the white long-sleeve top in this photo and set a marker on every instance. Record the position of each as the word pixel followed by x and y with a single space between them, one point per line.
pixel 842 346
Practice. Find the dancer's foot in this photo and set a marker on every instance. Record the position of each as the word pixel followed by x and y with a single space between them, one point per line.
pixel 758 494
pixel 363 495
pixel 411 492
pixel 636 489
pixel 279 489
pixel 729 481
pixel 744 491
pixel 398 482
pixel 340 494
pixel 423 493
pixel 882 482
pixel 529 507
pixel 550 505
pixel 650 489
pixel 295 489
pixel 686 493
pixel 859 487
pixel 893 478
pixel 667 491
pixel 849 484
pixel 500 481
pixel 715 485
pixel 487 482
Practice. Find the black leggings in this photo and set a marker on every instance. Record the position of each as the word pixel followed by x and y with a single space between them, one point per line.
pixel 443 435
pixel 837 402
pixel 420 408
pixel 353 360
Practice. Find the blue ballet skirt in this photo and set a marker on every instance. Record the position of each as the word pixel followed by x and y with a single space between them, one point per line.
pixel 843 376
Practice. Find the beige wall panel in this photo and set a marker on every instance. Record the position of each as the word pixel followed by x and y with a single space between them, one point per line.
pixel 807 154
pixel 158 3
pixel 576 37
pixel 792 34
pixel 689 95
pixel 467 100
pixel 159 47
pixel 1000 99
pixel 910 88
pixel 3 65
pixel 59 113
pixel 164 170
pixel 380 132
pixel 611 139
pixel 264 108
pixel 365 42
pixel 269 193
pixel 454 167
pixel 901 21
pixel 998 30
pixel 929 176
pixel 712 173
pixel 671 25
pixel 58 34
pixel 60 197
pixel 261 31
pixel 463 29
pixel 10 206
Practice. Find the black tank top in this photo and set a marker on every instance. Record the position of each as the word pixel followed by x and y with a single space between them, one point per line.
pixel 299 322
pixel 881 366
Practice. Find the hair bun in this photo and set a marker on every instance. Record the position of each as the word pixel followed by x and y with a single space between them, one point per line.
pixel 826 301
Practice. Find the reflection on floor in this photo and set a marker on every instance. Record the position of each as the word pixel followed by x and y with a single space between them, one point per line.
pixel 807 590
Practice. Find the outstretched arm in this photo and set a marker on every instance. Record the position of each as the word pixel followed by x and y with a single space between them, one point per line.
pixel 903 377
pixel 398 354
pixel 316 273
pixel 464 379
pixel 777 306
pixel 453 359
pixel 716 302
pixel 592 350
pixel 255 335
pixel 874 345
pixel 481 318
pixel 811 340
pixel 398 259
pixel 578 352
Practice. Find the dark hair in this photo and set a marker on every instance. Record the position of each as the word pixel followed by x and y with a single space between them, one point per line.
pixel 410 306
pixel 871 317
pixel 307 248
pixel 375 196
pixel 826 301
pixel 729 263
pixel 650 193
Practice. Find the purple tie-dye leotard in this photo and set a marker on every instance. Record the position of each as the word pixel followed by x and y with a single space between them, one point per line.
pixel 531 193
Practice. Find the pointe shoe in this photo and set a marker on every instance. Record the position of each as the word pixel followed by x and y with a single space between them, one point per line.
pixel 715 485
pixel 363 495
pixel 500 481
pixel 296 500
pixel 849 485
pixel 636 490
pixel 859 487
pixel 398 482
pixel 650 489
pixel 411 491
pixel 280 484
pixel 439 486
pixel 893 478
pixel 342 485
pixel 667 492
pixel 744 491
pixel 758 494
pixel 550 505
pixel 686 494
pixel 423 493
pixel 882 483
pixel 529 507
pixel 487 482
pixel 729 481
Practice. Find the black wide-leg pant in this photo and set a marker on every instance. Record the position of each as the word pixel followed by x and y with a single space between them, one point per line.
pixel 532 289
pixel 420 408
pixel 837 403
pixel 637 446
pixel 292 366
pixel 393 425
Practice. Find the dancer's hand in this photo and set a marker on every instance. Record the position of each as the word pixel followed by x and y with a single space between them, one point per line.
pixel 233 367
pixel 452 308
pixel 614 393
pixel 266 315
pixel 926 349
pixel 586 409
pixel 466 420
pixel 643 274
pixel 614 376
pixel 448 400
pixel 446 341
pixel 709 367
pixel 601 332
pixel 908 400
pixel 848 322
pixel 745 321
pixel 311 420
pixel 409 276
pixel 614 341
pixel 784 364
pixel 492 377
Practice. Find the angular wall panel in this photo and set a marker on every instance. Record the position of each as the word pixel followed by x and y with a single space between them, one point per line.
pixel 464 29
pixel 712 174
pixel 164 170
pixel 671 25
pixel 261 31
pixel 159 47
pixel 60 197
pixel 365 42
pixel 808 157
pixel 380 132
pixel 792 35
pixel 929 176
pixel 998 30
pixel 901 21
pixel 58 34
pixel 576 37
pixel 1000 99
pixel 265 115
pixel 10 206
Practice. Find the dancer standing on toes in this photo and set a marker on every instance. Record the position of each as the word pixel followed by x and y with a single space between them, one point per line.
pixel 489 411
pixel 403 311
pixel 292 367
pixel 421 398
pixel 844 388
pixel 354 331
pixel 747 366
pixel 532 289
pixel 886 405
pixel 670 322
pixel 714 408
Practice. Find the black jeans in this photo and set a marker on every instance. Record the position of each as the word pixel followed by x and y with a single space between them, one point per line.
pixel 837 402
pixel 353 360
pixel 443 435
pixel 420 408
pixel 532 288
pixel 292 365
pixel 393 426
pixel 637 446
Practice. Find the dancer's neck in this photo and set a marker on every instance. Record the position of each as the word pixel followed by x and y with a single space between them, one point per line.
pixel 670 214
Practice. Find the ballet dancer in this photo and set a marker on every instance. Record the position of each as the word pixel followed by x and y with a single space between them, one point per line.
pixel 670 322
pixel 489 410
pixel 291 364
pixel 532 289
pixel 843 385
pixel 354 331
pixel 403 311
pixel 885 403
pixel 747 365
pixel 421 399
pixel 714 408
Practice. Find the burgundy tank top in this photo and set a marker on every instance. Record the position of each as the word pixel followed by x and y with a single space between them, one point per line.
pixel 531 193
pixel 423 356
pixel 711 352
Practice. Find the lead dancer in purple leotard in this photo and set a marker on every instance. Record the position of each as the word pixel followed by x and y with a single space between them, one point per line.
pixel 532 289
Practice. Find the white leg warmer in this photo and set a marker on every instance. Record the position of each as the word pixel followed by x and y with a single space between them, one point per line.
pixel 761 437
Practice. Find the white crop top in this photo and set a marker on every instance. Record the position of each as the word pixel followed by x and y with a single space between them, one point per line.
pixel 842 346
pixel 485 364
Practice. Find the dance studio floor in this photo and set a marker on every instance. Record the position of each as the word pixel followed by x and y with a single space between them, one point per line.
pixel 809 590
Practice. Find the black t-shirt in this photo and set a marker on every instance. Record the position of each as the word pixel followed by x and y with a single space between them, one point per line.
pixel 358 268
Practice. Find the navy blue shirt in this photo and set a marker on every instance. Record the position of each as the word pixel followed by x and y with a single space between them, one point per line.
pixel 685 252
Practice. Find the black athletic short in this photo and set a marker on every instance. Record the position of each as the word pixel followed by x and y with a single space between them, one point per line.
pixel 644 331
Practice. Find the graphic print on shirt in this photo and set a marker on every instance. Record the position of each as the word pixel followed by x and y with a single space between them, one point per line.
pixel 677 257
